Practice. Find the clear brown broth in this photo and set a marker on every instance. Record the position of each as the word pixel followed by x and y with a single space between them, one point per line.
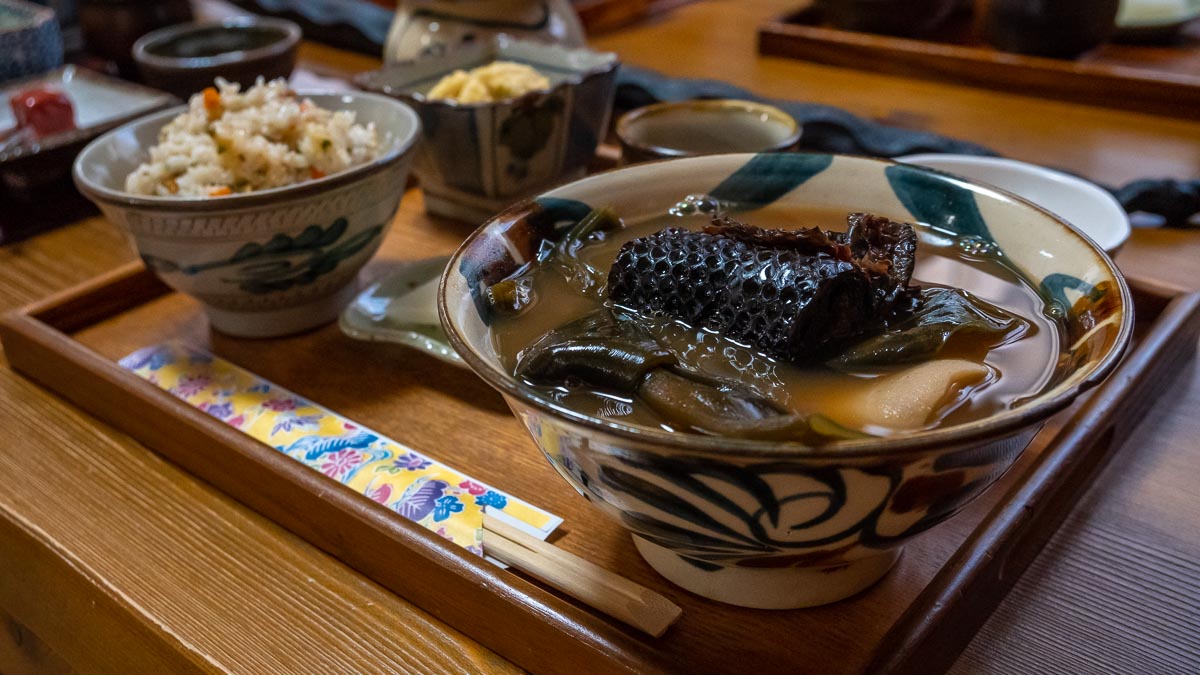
pixel 1019 368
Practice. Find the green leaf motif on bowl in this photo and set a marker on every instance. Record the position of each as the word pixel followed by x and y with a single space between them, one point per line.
pixel 527 131
pixel 283 261
pixel 767 177
pixel 940 203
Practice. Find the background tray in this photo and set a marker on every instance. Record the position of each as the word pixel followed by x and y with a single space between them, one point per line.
pixel 915 619
pixel 1160 79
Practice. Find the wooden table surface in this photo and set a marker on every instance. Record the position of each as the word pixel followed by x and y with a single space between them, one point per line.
pixel 113 560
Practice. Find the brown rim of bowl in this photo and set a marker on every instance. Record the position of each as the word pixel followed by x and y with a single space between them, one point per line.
pixel 403 147
pixel 932 440
pixel 289 37
pixel 622 126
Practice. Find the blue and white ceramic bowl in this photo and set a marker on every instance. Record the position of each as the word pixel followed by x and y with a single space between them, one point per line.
pixel 477 158
pixel 780 525
pixel 30 39
pixel 264 263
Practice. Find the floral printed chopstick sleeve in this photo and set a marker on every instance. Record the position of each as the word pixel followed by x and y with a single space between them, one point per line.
pixel 427 492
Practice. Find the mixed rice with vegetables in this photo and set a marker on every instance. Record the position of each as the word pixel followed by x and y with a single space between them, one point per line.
pixel 229 142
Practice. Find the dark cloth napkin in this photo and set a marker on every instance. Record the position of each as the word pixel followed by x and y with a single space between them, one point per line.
pixel 829 129
pixel 826 128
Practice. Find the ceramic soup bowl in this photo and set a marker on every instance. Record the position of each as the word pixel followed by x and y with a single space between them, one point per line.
pixel 784 525
pixel 264 263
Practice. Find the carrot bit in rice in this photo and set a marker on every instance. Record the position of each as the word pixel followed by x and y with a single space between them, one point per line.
pixel 264 137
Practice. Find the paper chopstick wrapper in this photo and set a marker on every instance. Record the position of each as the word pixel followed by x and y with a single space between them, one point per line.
pixel 436 496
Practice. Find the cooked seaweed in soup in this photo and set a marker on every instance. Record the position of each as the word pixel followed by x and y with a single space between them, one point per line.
pixel 800 325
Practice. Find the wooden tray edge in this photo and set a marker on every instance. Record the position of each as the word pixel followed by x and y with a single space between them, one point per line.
pixel 960 598
pixel 932 631
pixel 1121 87
pixel 496 608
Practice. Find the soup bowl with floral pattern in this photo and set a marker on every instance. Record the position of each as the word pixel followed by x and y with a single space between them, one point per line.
pixel 783 524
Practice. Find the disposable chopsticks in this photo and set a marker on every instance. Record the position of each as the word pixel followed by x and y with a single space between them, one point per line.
pixel 585 581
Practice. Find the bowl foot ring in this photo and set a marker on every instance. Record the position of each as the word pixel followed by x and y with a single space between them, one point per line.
pixel 769 588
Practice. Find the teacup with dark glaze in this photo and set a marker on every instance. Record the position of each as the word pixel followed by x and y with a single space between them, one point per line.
pixel 704 127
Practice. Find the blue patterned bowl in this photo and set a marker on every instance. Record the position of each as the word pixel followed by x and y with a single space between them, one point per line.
pixel 264 263
pixel 477 158
pixel 781 525
pixel 30 39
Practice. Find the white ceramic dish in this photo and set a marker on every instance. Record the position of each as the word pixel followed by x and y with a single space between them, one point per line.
pixel 1087 206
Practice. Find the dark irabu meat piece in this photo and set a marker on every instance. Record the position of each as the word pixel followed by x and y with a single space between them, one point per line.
pixel 876 241
pixel 797 295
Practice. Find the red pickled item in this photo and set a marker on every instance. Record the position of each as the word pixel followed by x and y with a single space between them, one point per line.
pixel 45 111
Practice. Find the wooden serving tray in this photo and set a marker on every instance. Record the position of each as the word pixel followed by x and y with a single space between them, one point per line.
pixel 1163 80
pixel 916 619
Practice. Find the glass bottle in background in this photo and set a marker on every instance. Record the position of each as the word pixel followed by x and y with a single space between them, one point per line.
pixel 110 27
pixel 904 18
pixel 1057 28
pixel 424 28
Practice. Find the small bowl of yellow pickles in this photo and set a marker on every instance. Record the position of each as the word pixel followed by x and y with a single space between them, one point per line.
pixel 502 119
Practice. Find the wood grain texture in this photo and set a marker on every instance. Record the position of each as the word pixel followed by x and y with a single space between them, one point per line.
pixel 932 632
pixel 221 608
pixel 23 653
pixel 1161 80
pixel 446 423
pixel 535 629
pixel 1118 588
pixel 171 558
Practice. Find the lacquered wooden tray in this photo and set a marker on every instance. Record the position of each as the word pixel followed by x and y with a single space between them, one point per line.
pixel 1157 79
pixel 917 619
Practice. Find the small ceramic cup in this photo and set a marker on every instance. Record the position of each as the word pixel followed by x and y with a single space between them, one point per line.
pixel 704 127
pixel 185 58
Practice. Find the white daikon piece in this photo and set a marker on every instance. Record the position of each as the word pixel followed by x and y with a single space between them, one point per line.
pixel 911 398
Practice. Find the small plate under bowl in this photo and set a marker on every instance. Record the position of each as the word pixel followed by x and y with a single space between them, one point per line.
pixel 403 309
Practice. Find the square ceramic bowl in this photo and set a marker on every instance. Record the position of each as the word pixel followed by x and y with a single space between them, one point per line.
pixel 477 158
